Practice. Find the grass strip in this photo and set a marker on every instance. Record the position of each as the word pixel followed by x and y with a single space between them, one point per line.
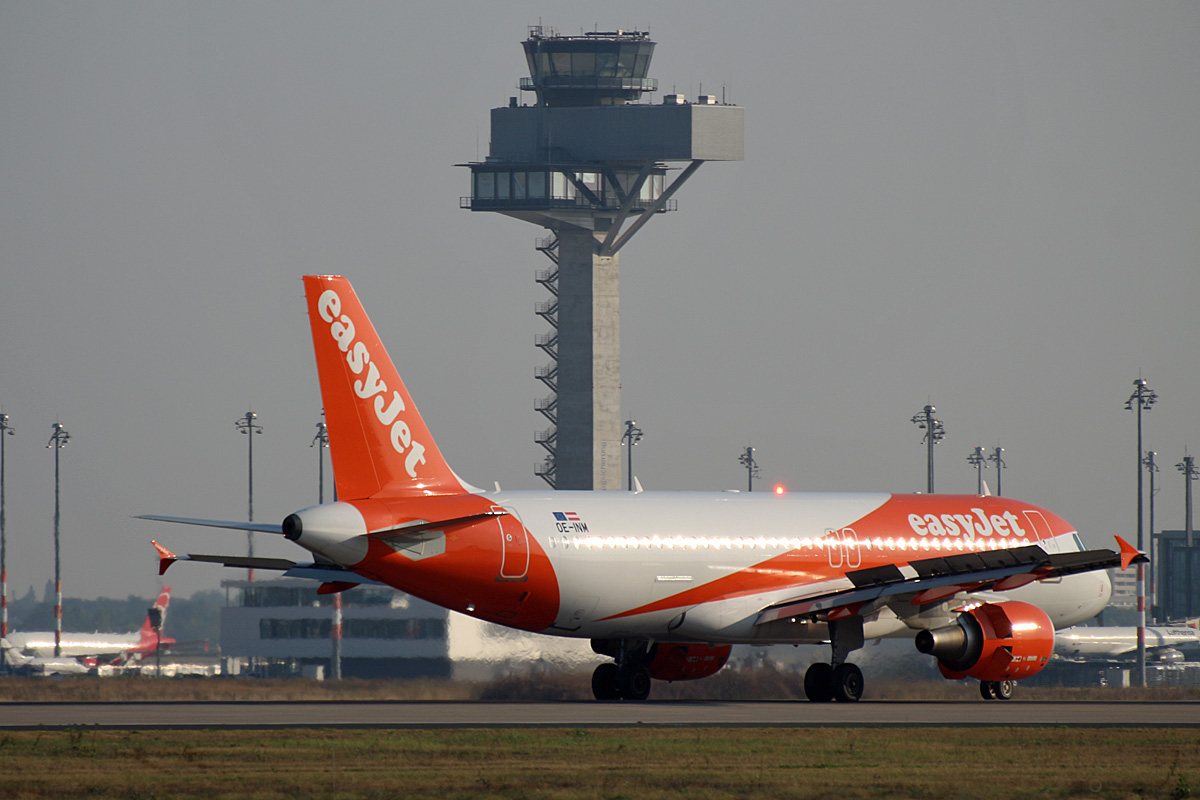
pixel 566 764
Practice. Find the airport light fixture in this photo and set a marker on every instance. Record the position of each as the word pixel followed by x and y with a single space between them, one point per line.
pixel 935 431
pixel 58 440
pixel 977 460
pixel 5 430
pixel 629 439
pixel 1151 469
pixel 321 442
pixel 1188 468
pixel 247 425
pixel 1142 399
pixel 996 457
pixel 746 459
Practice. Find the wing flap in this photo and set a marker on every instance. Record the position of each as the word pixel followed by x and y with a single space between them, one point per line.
pixel 929 578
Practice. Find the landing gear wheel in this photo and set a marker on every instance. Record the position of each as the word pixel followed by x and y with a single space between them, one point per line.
pixel 818 683
pixel 847 683
pixel 987 690
pixel 633 683
pixel 1004 689
pixel 604 682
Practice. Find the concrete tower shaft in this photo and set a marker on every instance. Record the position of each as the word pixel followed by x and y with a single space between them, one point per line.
pixel 589 165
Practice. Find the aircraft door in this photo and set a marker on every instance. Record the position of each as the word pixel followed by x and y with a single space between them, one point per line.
pixel 514 546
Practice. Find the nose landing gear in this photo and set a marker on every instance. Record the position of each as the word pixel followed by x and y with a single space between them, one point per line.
pixel 839 680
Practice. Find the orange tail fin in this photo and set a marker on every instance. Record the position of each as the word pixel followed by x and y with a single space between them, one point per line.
pixel 378 441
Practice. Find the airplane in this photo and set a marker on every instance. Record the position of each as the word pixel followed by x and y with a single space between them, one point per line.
pixel 1119 642
pixel 665 583
pixel 14 661
pixel 93 649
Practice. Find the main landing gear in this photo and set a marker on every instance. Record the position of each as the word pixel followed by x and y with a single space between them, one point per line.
pixel 997 690
pixel 839 680
pixel 626 679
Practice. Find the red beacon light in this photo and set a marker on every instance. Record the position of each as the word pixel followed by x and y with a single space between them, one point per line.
pixel 780 489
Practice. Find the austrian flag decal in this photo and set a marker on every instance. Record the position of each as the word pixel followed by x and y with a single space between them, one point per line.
pixel 569 522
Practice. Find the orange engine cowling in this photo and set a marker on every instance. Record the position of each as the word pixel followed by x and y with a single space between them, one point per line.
pixel 687 662
pixel 994 642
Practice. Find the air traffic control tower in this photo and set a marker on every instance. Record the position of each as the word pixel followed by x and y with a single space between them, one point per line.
pixel 589 162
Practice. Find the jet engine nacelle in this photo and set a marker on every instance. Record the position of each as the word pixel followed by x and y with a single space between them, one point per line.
pixel 687 662
pixel 994 642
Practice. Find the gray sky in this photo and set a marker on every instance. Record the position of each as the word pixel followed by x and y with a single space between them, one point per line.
pixel 991 207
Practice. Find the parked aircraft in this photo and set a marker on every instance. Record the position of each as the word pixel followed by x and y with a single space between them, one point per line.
pixel 13 660
pixel 666 583
pixel 92 649
pixel 1121 642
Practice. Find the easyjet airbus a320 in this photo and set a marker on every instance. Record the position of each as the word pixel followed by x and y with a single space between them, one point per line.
pixel 665 583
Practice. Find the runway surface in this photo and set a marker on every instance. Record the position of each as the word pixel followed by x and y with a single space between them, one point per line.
pixel 142 715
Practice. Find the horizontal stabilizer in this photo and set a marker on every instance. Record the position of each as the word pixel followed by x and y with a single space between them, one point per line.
pixel 259 527
pixel 243 562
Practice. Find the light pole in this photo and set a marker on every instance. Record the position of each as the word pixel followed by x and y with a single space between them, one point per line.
pixel 57 441
pixel 976 460
pixel 935 431
pixel 321 442
pixel 248 426
pixel 1142 399
pixel 996 458
pixel 5 429
pixel 632 435
pixel 746 459
pixel 1188 468
pixel 1151 468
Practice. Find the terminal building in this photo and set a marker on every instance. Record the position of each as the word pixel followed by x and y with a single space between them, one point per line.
pixel 1176 575
pixel 284 628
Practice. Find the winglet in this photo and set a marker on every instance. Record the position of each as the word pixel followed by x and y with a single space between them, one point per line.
pixel 165 557
pixel 1129 554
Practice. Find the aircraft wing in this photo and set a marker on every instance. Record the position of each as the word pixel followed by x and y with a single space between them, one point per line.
pixel 932 580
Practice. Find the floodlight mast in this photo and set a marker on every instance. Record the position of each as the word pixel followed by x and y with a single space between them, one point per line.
pixel 1188 468
pixel 996 457
pixel 935 431
pixel 321 442
pixel 5 430
pixel 246 424
pixel 1151 469
pixel 977 460
pixel 57 442
pixel 1142 399
pixel 746 459
pixel 629 439
pixel 589 163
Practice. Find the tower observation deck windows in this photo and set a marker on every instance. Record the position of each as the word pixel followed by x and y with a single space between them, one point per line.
pixel 599 60
pixel 561 189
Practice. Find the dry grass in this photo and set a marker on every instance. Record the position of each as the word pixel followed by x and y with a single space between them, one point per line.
pixel 628 763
